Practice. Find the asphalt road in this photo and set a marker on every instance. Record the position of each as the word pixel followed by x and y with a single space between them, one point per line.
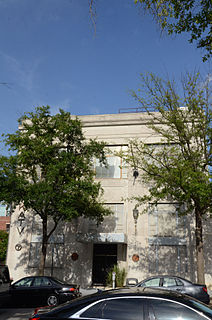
pixel 15 313
pixel 25 313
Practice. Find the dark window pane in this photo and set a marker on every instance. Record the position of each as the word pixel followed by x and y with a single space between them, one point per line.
pixel 24 282
pixel 94 312
pixel 124 309
pixel 116 309
pixel 168 310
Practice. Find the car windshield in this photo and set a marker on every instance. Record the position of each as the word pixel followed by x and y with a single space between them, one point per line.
pixel 202 307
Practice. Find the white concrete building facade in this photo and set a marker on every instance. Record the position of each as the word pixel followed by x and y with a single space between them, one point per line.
pixel 160 241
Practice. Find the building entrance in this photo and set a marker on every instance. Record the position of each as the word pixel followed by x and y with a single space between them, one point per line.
pixel 104 258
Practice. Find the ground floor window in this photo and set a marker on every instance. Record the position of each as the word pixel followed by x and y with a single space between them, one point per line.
pixel 169 259
pixel 54 257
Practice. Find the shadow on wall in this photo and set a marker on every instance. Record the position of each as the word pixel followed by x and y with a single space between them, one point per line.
pixel 163 255
pixel 67 258
pixel 208 251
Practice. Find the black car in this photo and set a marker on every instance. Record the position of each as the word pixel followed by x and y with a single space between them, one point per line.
pixel 178 284
pixel 42 290
pixel 130 304
pixel 4 284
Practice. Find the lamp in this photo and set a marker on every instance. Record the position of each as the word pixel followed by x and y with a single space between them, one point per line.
pixel 135 174
pixel 135 216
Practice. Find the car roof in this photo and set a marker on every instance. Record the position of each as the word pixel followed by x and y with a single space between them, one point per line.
pixel 141 291
pixel 125 291
pixel 165 275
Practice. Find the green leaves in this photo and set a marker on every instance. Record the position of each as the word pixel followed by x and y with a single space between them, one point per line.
pixel 177 167
pixel 3 245
pixel 192 16
pixel 51 172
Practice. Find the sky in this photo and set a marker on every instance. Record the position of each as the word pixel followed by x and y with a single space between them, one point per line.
pixel 51 55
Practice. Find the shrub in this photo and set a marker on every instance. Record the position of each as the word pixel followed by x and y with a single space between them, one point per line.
pixel 3 245
pixel 120 276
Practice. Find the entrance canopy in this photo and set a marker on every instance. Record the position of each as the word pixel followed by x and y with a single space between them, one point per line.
pixel 102 237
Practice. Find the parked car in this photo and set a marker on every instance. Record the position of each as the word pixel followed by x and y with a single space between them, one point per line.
pixel 42 290
pixel 178 284
pixel 130 304
pixel 4 284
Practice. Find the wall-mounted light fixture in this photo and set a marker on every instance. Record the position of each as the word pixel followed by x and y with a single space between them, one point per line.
pixel 135 216
pixel 135 174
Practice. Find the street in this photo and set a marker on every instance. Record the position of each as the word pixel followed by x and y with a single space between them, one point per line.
pixel 25 313
pixel 15 313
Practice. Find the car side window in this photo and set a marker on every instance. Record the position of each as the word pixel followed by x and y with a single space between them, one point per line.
pixel 41 282
pixel 169 282
pixel 116 309
pixel 24 282
pixel 151 283
pixel 37 282
pixel 95 311
pixel 169 310
pixel 179 282
pixel 46 282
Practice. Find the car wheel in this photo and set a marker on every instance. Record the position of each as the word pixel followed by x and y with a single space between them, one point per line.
pixel 52 300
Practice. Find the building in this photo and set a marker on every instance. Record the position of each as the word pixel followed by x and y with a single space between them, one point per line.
pixel 4 218
pixel 144 244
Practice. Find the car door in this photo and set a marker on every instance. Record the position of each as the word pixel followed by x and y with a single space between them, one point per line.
pixel 42 287
pixel 21 291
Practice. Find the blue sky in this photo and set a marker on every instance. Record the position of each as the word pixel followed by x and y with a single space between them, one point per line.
pixel 49 54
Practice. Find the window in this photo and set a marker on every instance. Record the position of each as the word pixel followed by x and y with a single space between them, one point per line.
pixel 115 168
pixel 169 310
pixel 151 283
pixel 24 282
pixel 161 259
pixel 169 282
pixel 164 221
pixel 167 239
pixel 179 282
pixel 54 255
pixel 116 309
pixel 41 282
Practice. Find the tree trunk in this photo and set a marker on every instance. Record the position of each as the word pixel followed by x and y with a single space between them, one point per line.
pixel 199 249
pixel 43 249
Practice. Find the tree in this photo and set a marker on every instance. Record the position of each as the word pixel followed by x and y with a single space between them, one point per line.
pixel 177 168
pixel 177 16
pixel 51 171
pixel 3 245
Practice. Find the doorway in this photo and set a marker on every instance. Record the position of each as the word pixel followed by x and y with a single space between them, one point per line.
pixel 104 258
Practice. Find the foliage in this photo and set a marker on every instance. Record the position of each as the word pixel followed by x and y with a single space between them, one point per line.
pixel 192 16
pixel 50 171
pixel 120 276
pixel 3 245
pixel 178 166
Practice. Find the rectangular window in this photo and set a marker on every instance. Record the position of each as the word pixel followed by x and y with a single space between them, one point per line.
pixel 164 221
pixel 112 170
pixel 161 259
pixel 112 223
pixel 167 241
pixel 115 168
pixel 54 257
